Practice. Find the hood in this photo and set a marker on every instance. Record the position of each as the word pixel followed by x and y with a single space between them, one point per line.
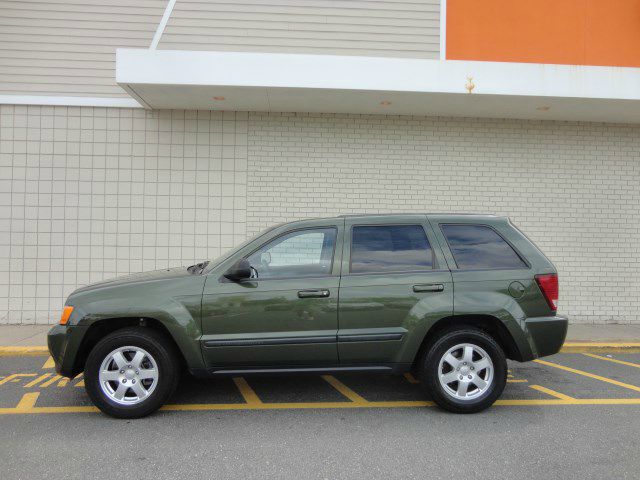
pixel 141 277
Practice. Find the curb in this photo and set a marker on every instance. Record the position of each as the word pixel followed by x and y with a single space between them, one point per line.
pixel 568 347
pixel 586 347
pixel 23 351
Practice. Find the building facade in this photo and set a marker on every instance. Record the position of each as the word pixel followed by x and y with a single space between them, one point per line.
pixel 144 135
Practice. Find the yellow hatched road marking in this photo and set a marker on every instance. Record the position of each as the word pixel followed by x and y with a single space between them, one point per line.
pixel 343 389
pixel 553 393
pixel 37 380
pixel 590 375
pixel 614 360
pixel 15 377
pixel 27 402
pixel 516 380
pixel 63 382
pixel 49 382
pixel 49 364
pixel 247 392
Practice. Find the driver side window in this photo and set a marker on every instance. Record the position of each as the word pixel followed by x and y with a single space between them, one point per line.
pixel 302 253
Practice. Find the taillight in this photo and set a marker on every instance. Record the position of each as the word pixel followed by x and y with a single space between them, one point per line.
pixel 548 284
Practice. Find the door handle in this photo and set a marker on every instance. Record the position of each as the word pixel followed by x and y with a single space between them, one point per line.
pixel 431 287
pixel 313 293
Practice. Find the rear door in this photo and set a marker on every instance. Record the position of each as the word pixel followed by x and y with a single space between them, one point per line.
pixel 394 283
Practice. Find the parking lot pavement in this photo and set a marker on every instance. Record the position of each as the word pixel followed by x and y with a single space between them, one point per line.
pixel 565 416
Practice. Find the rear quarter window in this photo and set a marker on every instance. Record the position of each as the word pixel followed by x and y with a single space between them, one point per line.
pixel 480 246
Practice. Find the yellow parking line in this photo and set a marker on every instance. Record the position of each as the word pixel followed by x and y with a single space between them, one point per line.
pixel 614 360
pixel 37 380
pixel 49 382
pixel 517 380
pixel 247 392
pixel 49 364
pixel 15 377
pixel 553 393
pixel 27 405
pixel 343 389
pixel 410 378
pixel 590 375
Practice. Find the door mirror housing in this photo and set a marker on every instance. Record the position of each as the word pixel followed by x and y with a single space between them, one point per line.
pixel 240 270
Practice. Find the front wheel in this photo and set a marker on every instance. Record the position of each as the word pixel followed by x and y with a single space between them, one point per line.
pixel 131 372
pixel 465 370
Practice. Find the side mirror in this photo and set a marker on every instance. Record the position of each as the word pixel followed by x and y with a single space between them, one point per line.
pixel 239 271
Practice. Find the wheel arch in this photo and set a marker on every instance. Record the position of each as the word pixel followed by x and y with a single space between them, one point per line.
pixel 100 328
pixel 487 323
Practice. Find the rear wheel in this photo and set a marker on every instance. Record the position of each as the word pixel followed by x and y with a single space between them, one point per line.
pixel 464 370
pixel 131 372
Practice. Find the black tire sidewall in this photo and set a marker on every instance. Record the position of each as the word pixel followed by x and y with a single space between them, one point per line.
pixel 439 348
pixel 158 348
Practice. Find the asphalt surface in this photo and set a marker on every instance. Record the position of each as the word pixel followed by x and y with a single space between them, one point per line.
pixel 571 428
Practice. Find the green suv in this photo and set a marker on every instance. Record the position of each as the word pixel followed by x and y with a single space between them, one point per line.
pixel 448 297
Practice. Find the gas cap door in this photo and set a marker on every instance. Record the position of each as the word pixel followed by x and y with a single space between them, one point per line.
pixel 516 289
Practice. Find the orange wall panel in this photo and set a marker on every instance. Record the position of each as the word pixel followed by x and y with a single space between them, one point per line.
pixel 574 32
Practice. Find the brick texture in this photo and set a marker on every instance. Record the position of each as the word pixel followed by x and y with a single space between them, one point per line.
pixel 573 188
pixel 91 193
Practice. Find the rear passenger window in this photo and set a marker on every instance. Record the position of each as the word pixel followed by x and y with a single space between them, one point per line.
pixel 478 246
pixel 390 248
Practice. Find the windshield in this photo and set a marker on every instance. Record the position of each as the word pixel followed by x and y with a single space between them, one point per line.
pixel 217 261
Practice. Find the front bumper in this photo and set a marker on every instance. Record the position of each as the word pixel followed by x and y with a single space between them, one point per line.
pixel 546 335
pixel 64 343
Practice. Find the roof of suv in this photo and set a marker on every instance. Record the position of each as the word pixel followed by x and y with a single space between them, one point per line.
pixel 391 217
pixel 409 214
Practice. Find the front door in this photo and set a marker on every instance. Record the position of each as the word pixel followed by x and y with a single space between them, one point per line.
pixel 395 284
pixel 287 313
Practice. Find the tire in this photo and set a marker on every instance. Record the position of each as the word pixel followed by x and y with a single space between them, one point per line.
pixel 485 376
pixel 138 382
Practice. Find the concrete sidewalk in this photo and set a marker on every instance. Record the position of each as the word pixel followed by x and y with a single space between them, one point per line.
pixel 36 335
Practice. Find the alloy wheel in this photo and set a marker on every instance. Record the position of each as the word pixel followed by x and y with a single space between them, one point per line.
pixel 465 371
pixel 128 375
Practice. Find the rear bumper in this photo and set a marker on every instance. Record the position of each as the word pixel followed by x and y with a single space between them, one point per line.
pixel 64 342
pixel 546 335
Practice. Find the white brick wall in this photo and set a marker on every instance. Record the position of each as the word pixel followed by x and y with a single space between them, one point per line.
pixel 90 193
pixel 573 188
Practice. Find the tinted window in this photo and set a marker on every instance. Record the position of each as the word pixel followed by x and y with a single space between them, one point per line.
pixel 302 253
pixel 390 248
pixel 477 246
